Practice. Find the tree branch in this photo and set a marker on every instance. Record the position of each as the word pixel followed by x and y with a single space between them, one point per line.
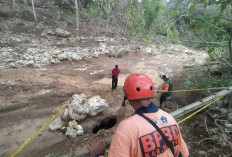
pixel 230 43
pixel 215 27
pixel 213 51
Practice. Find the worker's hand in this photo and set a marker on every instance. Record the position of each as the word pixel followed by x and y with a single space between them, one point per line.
pixel 96 146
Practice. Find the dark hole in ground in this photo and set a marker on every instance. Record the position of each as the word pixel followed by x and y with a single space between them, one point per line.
pixel 106 123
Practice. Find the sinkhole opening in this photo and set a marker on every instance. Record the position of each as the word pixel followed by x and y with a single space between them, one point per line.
pixel 106 123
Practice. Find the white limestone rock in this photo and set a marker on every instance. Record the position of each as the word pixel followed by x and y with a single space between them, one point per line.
pixel 96 105
pixel 55 124
pixel 71 132
pixel 80 130
pixel 72 124
pixel 78 109
pixel 65 115
pixel 62 33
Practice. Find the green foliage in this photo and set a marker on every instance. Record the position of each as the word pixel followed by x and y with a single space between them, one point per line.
pixel 136 24
pixel 91 12
pixel 26 9
pixel 217 51
pixel 172 34
pixel 148 40
pixel 72 19
pixel 152 11
pixel 208 21
pixel 143 17
pixel 121 54
pixel 207 77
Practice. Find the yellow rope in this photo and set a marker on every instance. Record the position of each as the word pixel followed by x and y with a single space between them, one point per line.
pixel 190 90
pixel 198 111
pixel 175 91
pixel 40 129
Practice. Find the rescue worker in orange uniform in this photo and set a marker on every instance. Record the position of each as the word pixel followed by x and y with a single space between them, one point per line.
pixel 138 135
pixel 166 92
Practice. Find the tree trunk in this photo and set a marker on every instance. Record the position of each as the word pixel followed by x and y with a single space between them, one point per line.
pixel 77 15
pixel 33 7
pixel 25 2
pixel 230 44
pixel 108 10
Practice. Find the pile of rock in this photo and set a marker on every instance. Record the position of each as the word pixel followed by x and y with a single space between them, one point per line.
pixel 78 109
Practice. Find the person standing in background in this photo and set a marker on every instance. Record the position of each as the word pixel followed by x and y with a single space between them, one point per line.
pixel 166 91
pixel 115 73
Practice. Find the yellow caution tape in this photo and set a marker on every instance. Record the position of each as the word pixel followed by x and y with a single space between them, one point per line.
pixel 40 129
pixel 190 90
pixel 175 91
pixel 198 110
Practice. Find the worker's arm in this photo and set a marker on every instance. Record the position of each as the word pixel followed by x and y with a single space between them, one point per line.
pixel 120 146
pixel 166 86
pixel 183 149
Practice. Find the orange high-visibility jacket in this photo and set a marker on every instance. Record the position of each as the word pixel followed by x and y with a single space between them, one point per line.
pixel 136 137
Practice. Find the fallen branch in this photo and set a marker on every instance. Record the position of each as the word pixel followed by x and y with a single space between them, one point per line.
pixel 207 127
pixel 204 140
pixel 223 134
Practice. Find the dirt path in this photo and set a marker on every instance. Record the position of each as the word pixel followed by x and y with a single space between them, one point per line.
pixel 28 97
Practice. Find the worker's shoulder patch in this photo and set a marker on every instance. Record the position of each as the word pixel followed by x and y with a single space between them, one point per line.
pixel 164 120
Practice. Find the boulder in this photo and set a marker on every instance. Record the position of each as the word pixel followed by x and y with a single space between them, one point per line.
pixel 78 109
pixel 50 32
pixel 81 99
pixel 62 33
pixel 72 124
pixel 55 124
pixel 80 130
pixel 71 132
pixel 65 115
pixel 96 105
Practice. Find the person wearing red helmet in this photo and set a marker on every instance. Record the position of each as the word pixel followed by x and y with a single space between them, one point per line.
pixel 150 132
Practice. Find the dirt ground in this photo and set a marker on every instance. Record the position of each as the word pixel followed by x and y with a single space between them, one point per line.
pixel 29 97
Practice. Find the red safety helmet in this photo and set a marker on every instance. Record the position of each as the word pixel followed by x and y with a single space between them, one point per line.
pixel 138 86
